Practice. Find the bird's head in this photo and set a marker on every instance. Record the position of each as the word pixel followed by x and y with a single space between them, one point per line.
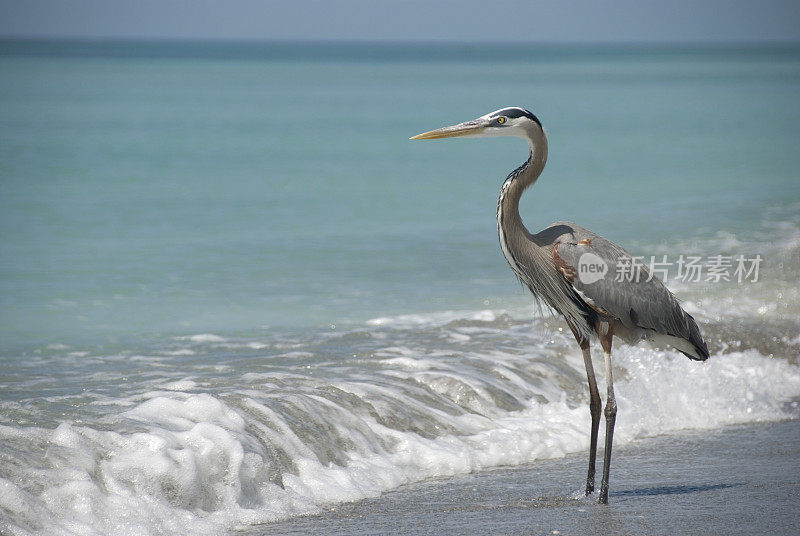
pixel 504 122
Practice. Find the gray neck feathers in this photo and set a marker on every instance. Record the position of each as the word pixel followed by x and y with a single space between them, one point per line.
pixel 520 179
pixel 532 261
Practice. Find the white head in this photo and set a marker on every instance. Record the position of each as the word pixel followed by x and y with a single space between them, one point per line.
pixel 512 121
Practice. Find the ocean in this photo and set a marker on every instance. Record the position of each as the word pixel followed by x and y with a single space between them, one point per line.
pixel 233 292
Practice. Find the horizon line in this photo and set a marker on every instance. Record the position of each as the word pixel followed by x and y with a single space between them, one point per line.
pixel 367 41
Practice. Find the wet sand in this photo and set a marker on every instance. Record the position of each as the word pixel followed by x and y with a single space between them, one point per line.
pixel 737 480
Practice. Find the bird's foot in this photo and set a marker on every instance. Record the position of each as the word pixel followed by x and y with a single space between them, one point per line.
pixel 603 495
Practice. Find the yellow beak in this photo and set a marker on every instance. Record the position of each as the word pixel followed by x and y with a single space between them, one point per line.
pixel 469 128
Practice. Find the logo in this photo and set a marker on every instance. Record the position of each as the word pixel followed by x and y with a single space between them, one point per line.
pixel 591 268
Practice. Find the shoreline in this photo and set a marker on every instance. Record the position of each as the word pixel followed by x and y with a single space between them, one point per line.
pixel 742 479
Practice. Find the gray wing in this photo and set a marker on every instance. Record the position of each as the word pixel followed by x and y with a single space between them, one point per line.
pixel 625 290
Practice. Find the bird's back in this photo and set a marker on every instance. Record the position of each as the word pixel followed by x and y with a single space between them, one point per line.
pixel 612 282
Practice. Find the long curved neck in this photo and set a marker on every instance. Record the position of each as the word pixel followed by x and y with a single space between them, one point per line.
pixel 532 259
pixel 509 222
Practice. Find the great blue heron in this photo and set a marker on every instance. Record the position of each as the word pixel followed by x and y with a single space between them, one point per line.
pixel 596 285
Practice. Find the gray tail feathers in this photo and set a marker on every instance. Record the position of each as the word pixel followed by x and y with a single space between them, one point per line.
pixel 696 341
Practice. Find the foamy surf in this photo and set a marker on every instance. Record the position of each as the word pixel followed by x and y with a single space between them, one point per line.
pixel 293 433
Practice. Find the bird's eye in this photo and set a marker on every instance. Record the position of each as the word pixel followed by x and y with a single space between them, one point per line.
pixel 501 120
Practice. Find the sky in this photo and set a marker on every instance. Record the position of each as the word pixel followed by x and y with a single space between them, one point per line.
pixel 556 21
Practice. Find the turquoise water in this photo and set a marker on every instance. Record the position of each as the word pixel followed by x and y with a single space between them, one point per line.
pixel 167 195
pixel 232 291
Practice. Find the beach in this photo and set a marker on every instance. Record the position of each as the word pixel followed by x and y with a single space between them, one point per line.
pixel 234 296
pixel 736 480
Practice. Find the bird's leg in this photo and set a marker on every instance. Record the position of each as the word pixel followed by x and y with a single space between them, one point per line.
pixel 594 405
pixel 605 333
pixel 594 409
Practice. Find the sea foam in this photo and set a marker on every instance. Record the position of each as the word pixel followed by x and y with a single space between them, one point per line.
pixel 185 461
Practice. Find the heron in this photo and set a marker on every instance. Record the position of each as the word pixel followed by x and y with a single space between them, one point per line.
pixel 599 288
